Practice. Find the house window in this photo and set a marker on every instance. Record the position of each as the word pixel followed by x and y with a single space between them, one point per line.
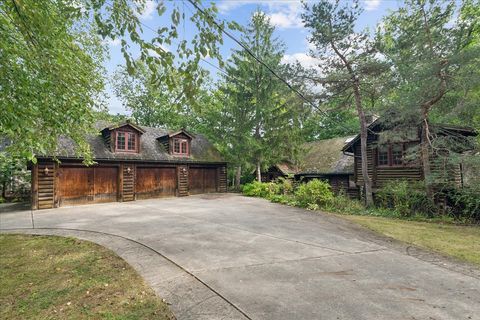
pixel 126 141
pixel 131 141
pixel 397 154
pixel 180 146
pixel 383 155
pixel 390 155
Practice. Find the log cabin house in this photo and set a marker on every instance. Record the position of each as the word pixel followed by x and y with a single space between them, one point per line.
pixel 393 156
pixel 131 162
pixel 322 159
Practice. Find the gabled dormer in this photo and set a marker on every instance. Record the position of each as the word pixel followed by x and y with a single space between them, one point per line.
pixel 177 143
pixel 124 137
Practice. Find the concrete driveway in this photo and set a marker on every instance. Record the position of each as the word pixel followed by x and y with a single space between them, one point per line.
pixel 232 257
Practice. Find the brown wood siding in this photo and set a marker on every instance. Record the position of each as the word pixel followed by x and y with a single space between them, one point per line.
pixel 72 183
pixel 446 171
pixel 107 137
pixel 128 180
pixel 164 141
pixel 182 181
pixel 339 184
pixel 34 188
pixel 79 185
pixel 222 179
pixel 381 174
pixel 210 180
pixel 46 185
pixel 75 185
pixel 155 182
pixel 358 164
pixel 385 174
pixel 105 184
pixel 202 180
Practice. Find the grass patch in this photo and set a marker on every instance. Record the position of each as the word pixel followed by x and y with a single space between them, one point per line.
pixel 46 277
pixel 461 242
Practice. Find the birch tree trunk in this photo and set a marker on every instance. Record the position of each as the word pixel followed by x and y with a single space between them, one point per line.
pixel 259 172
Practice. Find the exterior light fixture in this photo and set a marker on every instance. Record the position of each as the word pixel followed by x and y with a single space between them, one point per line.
pixel 184 170
pixel 129 170
pixel 45 170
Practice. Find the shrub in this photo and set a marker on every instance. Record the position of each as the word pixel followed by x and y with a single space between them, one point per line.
pixel 466 203
pixel 405 198
pixel 261 189
pixel 284 199
pixel 314 195
pixel 286 185
pixel 343 204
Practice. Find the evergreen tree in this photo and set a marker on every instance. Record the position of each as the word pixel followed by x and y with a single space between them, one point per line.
pixel 436 64
pixel 349 67
pixel 263 114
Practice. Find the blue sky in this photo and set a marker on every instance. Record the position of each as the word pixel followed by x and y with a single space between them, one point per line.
pixel 284 14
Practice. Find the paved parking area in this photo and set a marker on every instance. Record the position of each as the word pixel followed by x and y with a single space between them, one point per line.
pixel 232 257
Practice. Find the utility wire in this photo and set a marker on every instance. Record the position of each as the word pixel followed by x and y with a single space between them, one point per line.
pixel 224 72
pixel 249 51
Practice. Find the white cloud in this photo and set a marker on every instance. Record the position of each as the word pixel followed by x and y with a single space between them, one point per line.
pixel 371 5
pixel 228 5
pixel 148 10
pixel 285 14
pixel 305 60
pixel 282 14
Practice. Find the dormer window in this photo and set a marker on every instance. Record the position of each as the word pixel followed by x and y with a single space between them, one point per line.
pixel 180 146
pixel 177 143
pixel 126 141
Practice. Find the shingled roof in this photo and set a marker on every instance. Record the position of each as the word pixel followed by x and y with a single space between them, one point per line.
pixel 150 149
pixel 326 157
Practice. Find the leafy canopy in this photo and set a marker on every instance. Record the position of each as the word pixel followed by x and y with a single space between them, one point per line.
pixel 50 59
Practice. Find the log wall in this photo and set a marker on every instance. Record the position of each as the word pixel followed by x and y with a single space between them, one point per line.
pixel 71 183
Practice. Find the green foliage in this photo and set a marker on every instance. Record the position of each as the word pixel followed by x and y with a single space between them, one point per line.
pixel 406 198
pixel 153 104
pixel 435 59
pixel 14 178
pixel 466 203
pixel 398 199
pixel 258 119
pixel 51 76
pixel 342 204
pixel 314 195
pixel 261 189
pixel 51 55
pixel 286 186
pixel 319 126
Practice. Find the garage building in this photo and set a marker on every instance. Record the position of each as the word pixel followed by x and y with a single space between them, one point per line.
pixel 131 162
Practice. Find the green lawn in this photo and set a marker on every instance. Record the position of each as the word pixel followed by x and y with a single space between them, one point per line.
pixel 45 277
pixel 462 242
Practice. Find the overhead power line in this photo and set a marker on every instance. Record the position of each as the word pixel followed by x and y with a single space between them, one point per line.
pixel 224 72
pixel 260 61
pixel 257 59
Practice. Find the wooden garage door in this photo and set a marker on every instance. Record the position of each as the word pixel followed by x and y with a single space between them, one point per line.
pixel 105 184
pixel 78 185
pixel 155 182
pixel 202 180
